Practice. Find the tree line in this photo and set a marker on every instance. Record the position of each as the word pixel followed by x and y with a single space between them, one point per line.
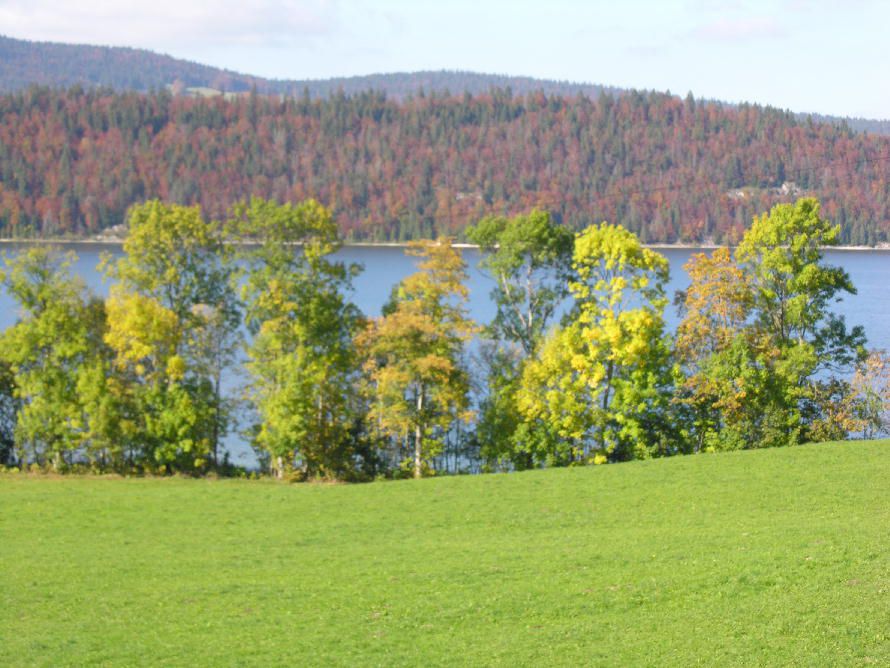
pixel 672 170
pixel 137 382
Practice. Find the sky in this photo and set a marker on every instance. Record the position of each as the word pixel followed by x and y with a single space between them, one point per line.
pixel 822 56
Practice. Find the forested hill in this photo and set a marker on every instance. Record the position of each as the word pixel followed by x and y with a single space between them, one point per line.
pixel 25 63
pixel 671 170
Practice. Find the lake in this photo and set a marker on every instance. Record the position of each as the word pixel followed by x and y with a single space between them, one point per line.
pixel 386 266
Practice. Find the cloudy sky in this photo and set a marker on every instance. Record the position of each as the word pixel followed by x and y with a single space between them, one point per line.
pixel 822 56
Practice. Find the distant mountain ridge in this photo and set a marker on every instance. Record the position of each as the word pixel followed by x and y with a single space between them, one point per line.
pixel 24 63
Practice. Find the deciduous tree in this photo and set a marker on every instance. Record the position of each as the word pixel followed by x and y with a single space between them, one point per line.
pixel 600 387
pixel 301 362
pixel 49 351
pixel 529 258
pixel 871 395
pixel 718 396
pixel 174 286
pixel 767 362
pixel 801 343
pixel 418 382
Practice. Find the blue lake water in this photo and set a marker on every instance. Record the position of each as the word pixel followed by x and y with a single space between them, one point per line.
pixel 386 266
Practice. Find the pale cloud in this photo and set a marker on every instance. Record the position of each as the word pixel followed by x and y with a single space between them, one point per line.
pixel 739 29
pixel 162 23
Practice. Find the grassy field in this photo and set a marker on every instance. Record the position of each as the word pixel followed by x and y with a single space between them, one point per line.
pixel 775 557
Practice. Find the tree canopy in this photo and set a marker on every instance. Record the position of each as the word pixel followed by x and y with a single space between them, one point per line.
pixel 142 381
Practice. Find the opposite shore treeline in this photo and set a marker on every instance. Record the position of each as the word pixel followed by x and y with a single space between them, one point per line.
pixel 670 170
pixel 135 383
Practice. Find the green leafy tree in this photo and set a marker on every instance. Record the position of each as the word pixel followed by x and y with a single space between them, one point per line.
pixel 302 362
pixel 529 257
pixel 173 324
pixel 49 353
pixel 802 344
pixel 160 419
pixel 767 363
pixel 418 383
pixel 782 254
pixel 599 389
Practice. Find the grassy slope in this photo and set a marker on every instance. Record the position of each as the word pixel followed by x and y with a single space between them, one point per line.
pixel 771 557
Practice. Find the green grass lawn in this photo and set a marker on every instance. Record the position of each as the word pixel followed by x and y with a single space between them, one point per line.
pixel 774 557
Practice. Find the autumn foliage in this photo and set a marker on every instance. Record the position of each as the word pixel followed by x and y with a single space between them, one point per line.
pixel 667 169
pixel 135 383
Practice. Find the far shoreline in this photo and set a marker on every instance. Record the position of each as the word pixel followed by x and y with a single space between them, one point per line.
pixel 884 246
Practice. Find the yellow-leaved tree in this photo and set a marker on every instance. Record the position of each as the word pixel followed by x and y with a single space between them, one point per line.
pixel 417 381
pixel 600 387
pixel 173 326
pixel 717 351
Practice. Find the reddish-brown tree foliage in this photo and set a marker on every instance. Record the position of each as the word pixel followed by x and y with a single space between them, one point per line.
pixel 668 169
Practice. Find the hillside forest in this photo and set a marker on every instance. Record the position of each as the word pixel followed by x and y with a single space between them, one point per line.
pixel 669 170
pixel 134 383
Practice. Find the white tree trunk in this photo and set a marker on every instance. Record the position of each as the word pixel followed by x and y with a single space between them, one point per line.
pixel 418 464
